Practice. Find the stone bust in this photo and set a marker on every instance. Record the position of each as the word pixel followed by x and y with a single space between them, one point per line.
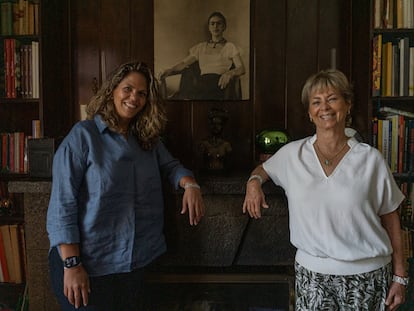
pixel 215 149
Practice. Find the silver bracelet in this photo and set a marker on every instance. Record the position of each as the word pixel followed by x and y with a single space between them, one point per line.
pixel 191 185
pixel 400 280
pixel 258 177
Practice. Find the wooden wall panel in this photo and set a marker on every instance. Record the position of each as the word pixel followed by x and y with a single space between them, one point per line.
pixel 289 41
pixel 141 30
pixel 333 33
pixel 269 41
pixel 361 67
pixel 86 51
pixel 301 61
pixel 55 68
pixel 179 133
pixel 114 33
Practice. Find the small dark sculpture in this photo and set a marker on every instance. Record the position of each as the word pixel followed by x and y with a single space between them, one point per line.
pixel 215 149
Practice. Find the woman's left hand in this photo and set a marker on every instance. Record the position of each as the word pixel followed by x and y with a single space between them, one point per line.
pixel 395 297
pixel 225 79
pixel 193 202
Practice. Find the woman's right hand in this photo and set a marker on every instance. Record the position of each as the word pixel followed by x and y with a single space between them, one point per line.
pixel 165 73
pixel 254 199
pixel 76 286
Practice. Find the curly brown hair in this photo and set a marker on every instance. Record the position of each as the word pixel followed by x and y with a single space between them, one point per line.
pixel 149 123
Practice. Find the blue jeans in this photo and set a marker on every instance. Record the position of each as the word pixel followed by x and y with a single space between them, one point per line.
pixel 121 291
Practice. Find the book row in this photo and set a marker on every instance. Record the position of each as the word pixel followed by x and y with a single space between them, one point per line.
pixel 392 14
pixel 13 151
pixel 19 17
pixel 407 220
pixel 20 67
pixel 392 66
pixel 12 254
pixel 394 138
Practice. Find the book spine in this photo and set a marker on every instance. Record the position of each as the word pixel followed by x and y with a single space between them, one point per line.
pixel 12 167
pixel 411 72
pixel 401 133
pixel 380 139
pixel 21 152
pixel 16 253
pixel 5 231
pixel 411 143
pixel 375 133
pixel 7 52
pixel 406 147
pixel 2 69
pixel 12 68
pixel 376 65
pixel 5 271
pixel 6 18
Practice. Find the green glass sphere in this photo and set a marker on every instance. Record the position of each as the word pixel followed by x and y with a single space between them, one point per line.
pixel 269 141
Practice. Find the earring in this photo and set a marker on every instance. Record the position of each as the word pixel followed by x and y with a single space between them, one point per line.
pixel 310 119
pixel 348 121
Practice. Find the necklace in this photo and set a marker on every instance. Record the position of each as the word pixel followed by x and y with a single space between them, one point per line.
pixel 221 41
pixel 328 162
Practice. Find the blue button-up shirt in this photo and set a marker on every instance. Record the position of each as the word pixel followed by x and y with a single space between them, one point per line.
pixel 107 196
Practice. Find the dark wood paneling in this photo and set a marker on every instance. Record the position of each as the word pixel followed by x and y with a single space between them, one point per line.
pixel 361 66
pixel 179 134
pixel 11 116
pixel 301 61
pixel 142 28
pixel 269 42
pixel 114 32
pixel 58 109
pixel 86 52
pixel 290 40
pixel 334 33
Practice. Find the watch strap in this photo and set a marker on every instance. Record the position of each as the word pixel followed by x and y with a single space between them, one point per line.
pixel 400 280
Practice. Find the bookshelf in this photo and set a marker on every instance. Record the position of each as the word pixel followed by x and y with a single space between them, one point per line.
pixel 21 111
pixel 392 83
pixel 391 98
pixel 20 96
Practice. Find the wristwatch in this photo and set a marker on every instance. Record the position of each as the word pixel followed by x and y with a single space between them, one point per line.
pixel 400 280
pixel 71 262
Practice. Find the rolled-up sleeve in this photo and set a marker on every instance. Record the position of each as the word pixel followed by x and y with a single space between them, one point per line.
pixel 170 166
pixel 62 215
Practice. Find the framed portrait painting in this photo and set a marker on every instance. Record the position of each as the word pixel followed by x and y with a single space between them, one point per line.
pixel 202 49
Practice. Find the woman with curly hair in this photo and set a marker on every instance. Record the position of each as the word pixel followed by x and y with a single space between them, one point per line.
pixel 105 216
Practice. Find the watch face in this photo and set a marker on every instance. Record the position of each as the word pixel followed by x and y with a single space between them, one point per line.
pixel 71 261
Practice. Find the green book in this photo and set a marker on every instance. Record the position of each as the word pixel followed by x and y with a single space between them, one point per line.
pixel 6 18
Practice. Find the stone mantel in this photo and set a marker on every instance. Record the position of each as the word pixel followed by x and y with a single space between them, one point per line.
pixel 36 195
pixel 224 238
pixel 30 186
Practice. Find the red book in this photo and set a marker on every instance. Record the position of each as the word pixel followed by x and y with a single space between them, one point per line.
pixel 12 166
pixel 411 146
pixel 4 152
pixel 3 260
pixel 21 152
pixel 7 63
pixel 12 68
